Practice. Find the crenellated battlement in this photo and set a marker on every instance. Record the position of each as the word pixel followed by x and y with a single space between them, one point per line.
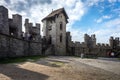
pixel 33 31
pixel 56 41
pixel 15 26
pixel 90 41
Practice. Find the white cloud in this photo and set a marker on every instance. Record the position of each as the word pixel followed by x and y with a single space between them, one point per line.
pixel 111 1
pixel 2 2
pixel 77 34
pixel 113 23
pixel 99 20
pixel 106 17
pixel 103 18
pixel 92 2
pixel 109 28
pixel 17 1
pixel 75 10
pixel 102 32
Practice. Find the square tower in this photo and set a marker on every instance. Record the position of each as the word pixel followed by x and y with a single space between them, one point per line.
pixel 4 24
pixel 15 25
pixel 33 31
pixel 54 29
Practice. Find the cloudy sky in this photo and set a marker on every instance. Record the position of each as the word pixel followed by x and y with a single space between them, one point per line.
pixel 100 17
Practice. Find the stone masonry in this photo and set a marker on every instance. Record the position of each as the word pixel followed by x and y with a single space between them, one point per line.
pixel 55 41
pixel 54 29
pixel 13 42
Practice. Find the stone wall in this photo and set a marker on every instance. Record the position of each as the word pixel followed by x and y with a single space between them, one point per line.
pixel 88 47
pixel 15 47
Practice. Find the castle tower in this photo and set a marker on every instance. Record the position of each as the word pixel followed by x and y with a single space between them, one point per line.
pixel 4 28
pixel 86 39
pixel 26 26
pixel 93 40
pixel 33 31
pixel 15 25
pixel 90 41
pixel 111 41
pixel 17 21
pixel 54 29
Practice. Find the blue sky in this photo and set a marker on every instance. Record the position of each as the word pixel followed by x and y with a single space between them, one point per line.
pixel 100 17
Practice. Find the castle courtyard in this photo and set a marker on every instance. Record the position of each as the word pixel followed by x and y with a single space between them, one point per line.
pixel 62 68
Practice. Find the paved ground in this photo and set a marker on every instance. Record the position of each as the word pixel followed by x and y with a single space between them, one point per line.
pixel 62 68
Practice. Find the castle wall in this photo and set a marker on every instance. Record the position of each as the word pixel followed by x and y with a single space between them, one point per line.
pixel 3 46
pixel 99 50
pixel 69 46
pixel 15 47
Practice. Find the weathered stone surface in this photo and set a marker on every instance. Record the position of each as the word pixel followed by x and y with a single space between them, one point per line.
pixel 15 47
pixel 56 41
pixel 54 29
pixel 4 28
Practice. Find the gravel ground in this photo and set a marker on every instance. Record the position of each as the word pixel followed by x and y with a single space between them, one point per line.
pixel 62 68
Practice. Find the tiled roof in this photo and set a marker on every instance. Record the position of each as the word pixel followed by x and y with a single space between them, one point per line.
pixel 55 12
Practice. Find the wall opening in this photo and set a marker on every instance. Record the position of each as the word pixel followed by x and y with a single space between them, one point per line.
pixel 61 38
pixel 61 25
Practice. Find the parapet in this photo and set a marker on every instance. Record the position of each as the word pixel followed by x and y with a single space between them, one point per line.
pixel 30 24
pixel 117 38
pixel 68 33
pixel 26 20
pixel 2 8
pixel 111 38
pixel 77 44
pixel 16 15
pixel 102 45
pixel 37 25
pixel 93 36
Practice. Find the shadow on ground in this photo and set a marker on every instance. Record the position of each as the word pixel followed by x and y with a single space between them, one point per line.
pixel 14 72
pixel 52 62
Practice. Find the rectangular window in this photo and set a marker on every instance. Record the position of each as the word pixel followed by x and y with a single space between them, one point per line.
pixel 61 38
pixel 50 28
pixel 61 25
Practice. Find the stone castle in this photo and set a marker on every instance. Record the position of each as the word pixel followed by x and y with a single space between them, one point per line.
pixel 55 41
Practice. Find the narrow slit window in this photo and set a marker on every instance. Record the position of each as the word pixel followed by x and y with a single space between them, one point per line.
pixel 61 38
pixel 61 25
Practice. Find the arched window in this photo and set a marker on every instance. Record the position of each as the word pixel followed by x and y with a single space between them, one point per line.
pixel 61 25
pixel 61 38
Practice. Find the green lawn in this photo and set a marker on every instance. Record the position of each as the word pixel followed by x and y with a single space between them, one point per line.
pixel 20 59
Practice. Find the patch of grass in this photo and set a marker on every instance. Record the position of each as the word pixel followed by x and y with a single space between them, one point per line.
pixel 118 58
pixel 87 56
pixel 75 56
pixel 57 64
pixel 20 59
pixel 91 56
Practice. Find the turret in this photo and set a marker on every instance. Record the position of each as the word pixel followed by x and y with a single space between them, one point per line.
pixel 111 40
pixel 4 24
pixel 17 23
